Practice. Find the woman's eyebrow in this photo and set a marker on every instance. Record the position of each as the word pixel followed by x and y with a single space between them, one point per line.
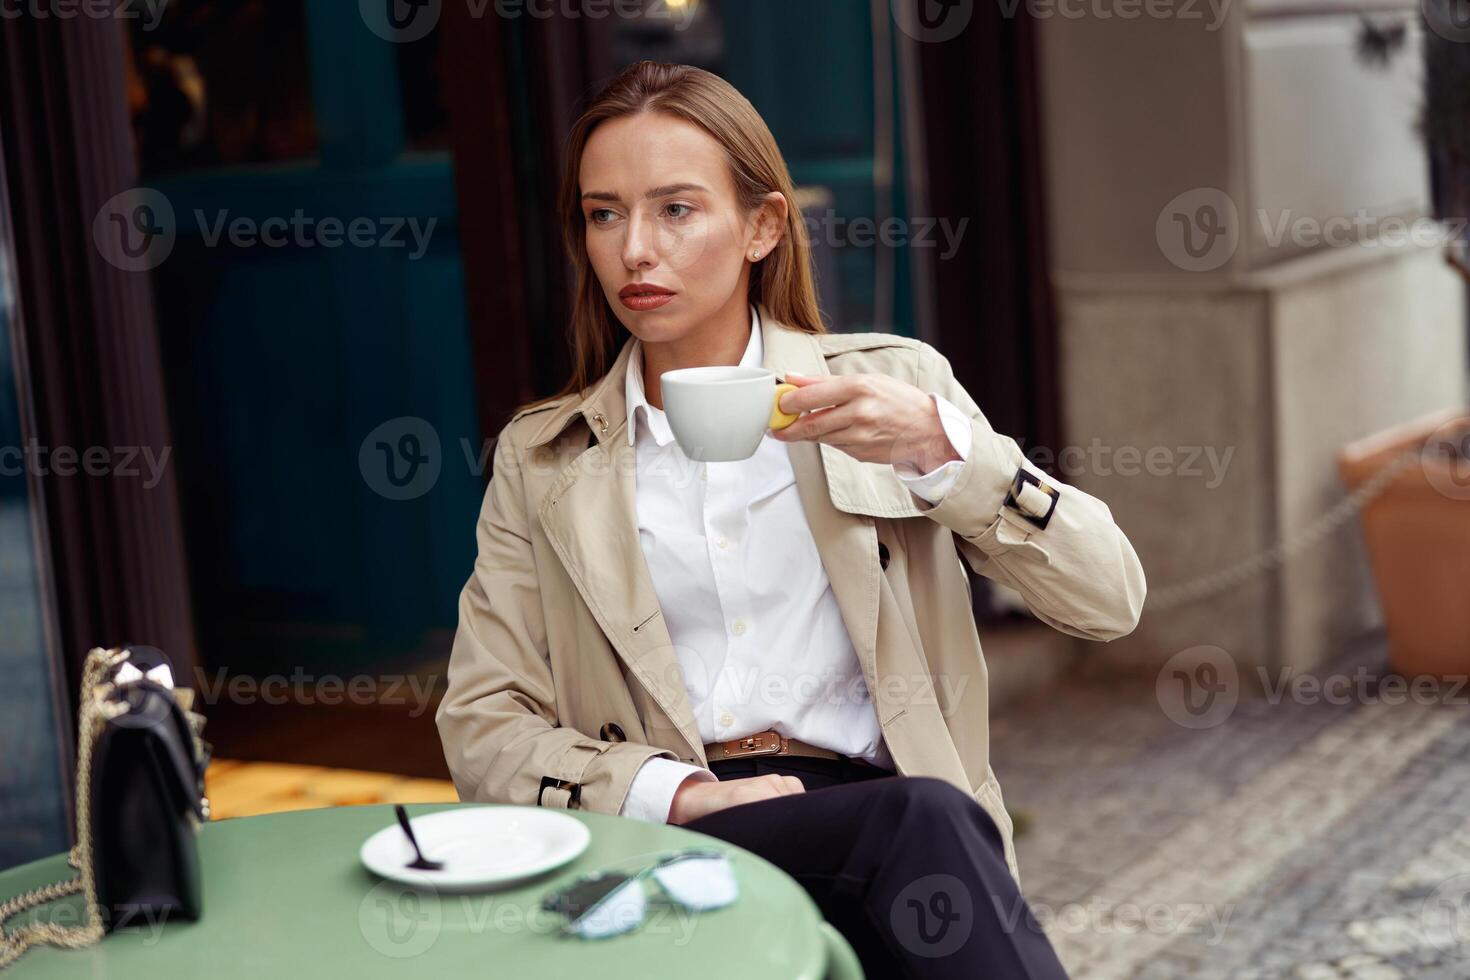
pixel 663 191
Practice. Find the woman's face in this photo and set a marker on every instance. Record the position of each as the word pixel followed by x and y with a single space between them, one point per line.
pixel 660 211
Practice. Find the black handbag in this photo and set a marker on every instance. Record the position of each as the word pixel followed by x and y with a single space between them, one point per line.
pixel 139 802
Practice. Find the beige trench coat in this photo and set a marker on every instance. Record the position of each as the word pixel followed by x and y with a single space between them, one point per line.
pixel 561 648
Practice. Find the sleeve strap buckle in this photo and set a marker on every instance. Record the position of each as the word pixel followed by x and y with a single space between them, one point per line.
pixel 551 782
pixel 1032 498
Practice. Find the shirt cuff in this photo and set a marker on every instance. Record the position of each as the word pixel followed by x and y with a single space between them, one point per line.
pixel 933 486
pixel 651 793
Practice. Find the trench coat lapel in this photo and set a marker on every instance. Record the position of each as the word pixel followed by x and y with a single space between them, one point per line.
pixel 589 516
pixel 846 539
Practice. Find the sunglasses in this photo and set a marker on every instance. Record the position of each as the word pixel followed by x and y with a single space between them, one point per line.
pixel 608 903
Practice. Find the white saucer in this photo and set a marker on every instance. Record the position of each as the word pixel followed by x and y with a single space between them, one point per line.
pixel 481 846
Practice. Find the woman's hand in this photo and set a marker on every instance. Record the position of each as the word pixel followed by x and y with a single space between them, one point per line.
pixel 696 798
pixel 873 417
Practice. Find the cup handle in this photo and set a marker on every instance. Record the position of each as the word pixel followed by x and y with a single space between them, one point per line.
pixel 780 419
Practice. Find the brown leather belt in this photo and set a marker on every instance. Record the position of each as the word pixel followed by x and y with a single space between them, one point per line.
pixel 769 743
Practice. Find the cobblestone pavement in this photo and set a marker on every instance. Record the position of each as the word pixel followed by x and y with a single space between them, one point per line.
pixel 1313 836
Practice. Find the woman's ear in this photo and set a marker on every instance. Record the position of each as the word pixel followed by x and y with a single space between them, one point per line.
pixel 769 226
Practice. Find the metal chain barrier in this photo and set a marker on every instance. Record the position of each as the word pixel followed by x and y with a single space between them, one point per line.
pixel 1230 577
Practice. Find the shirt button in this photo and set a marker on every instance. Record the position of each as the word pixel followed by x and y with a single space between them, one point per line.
pixel 738 626
pixel 722 542
pixel 704 472
pixel 727 719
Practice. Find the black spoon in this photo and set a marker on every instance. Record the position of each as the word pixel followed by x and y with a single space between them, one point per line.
pixel 421 863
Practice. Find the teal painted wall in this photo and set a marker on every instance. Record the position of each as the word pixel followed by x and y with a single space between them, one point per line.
pixel 282 361
pixel 808 70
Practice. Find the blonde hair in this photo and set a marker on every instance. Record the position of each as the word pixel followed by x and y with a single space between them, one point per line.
pixel 782 282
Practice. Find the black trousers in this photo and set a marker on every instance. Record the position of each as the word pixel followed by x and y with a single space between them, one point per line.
pixel 910 869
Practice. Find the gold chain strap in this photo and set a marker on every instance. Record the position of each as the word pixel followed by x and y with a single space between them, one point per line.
pixel 92 713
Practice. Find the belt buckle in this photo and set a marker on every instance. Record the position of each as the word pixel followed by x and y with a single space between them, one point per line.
pixel 761 743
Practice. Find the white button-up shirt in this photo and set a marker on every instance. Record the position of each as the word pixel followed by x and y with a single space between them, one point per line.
pixel 742 590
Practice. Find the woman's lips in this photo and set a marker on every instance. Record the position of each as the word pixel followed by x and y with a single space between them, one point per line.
pixel 643 302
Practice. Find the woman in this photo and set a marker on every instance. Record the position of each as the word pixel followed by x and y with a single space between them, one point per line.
pixel 778 651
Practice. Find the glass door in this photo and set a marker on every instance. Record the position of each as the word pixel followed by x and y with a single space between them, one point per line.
pixel 34 744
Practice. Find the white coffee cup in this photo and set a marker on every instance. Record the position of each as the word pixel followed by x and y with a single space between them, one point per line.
pixel 720 413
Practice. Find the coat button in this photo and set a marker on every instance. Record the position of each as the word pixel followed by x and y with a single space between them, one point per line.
pixel 611 732
pixel 882 556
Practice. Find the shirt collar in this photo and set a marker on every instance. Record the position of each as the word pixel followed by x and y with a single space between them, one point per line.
pixel 654 418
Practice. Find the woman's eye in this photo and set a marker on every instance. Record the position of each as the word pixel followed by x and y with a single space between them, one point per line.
pixel 597 211
pixel 685 213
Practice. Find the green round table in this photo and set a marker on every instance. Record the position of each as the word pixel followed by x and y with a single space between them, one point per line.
pixel 286 896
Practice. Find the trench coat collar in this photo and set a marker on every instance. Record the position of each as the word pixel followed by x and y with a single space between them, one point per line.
pixel 589 515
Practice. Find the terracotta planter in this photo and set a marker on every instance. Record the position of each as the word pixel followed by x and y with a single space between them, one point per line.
pixel 1418 537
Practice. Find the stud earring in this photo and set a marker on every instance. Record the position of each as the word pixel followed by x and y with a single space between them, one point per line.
pixel 756 254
